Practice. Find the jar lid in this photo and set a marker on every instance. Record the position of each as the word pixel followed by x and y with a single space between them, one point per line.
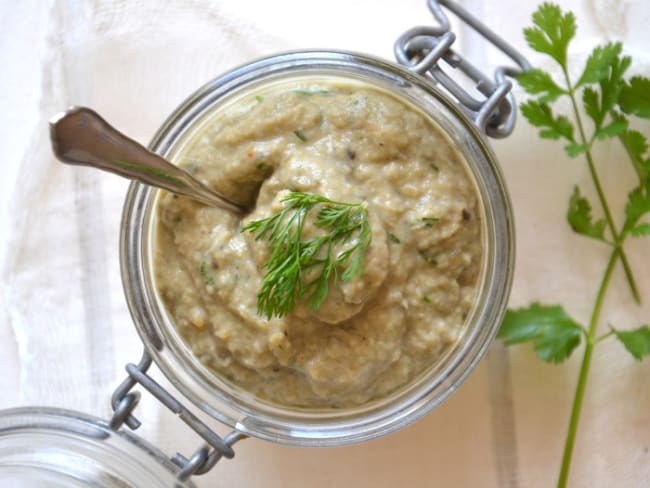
pixel 62 448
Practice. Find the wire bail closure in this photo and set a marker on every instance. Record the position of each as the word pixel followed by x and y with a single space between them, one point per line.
pixel 124 401
pixel 421 49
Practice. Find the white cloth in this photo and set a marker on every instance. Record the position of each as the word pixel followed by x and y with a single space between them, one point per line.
pixel 65 332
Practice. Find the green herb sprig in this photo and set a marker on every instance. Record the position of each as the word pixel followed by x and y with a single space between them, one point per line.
pixel 608 100
pixel 303 269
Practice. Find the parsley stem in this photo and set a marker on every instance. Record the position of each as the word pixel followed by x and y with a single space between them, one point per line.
pixel 610 222
pixel 591 341
pixel 584 370
pixel 599 190
pixel 603 337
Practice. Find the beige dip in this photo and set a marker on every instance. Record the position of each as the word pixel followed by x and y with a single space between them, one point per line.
pixel 349 143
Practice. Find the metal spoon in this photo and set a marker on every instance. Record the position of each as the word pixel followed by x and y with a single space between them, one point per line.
pixel 80 136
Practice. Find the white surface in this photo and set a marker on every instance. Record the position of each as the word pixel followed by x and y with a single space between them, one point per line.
pixel 65 332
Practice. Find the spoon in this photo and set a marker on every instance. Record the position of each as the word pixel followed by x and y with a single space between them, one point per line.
pixel 80 136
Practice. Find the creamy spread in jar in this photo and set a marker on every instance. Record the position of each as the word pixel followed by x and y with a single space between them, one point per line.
pixel 349 142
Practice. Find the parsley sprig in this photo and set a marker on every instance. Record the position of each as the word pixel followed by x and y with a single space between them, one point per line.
pixel 608 100
pixel 303 269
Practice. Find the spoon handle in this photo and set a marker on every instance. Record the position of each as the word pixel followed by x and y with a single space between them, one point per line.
pixel 80 136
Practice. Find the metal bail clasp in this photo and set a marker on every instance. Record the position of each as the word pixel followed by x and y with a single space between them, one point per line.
pixel 422 48
pixel 124 401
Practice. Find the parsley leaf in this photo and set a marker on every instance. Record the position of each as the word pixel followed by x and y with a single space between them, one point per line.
pixel 579 217
pixel 394 238
pixel 607 67
pixel 206 273
pixel 635 97
pixel 541 115
pixel 635 142
pixel 429 221
pixel 591 102
pixel 599 63
pixel 432 259
pixel 641 230
pixel 554 334
pixel 610 86
pixel 638 204
pixel 637 342
pixel 552 33
pixel 300 135
pixel 636 146
pixel 615 128
pixel 597 113
pixel 323 93
pixel 538 82
pixel 574 150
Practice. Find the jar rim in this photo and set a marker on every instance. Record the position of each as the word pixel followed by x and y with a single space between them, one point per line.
pixel 285 425
pixel 39 444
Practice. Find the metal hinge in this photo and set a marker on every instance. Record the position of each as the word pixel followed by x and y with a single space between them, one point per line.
pixel 421 49
pixel 124 401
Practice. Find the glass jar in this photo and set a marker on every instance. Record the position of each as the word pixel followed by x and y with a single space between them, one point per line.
pixel 240 409
pixel 59 448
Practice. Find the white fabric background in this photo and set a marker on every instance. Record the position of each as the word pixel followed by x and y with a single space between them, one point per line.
pixel 65 332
